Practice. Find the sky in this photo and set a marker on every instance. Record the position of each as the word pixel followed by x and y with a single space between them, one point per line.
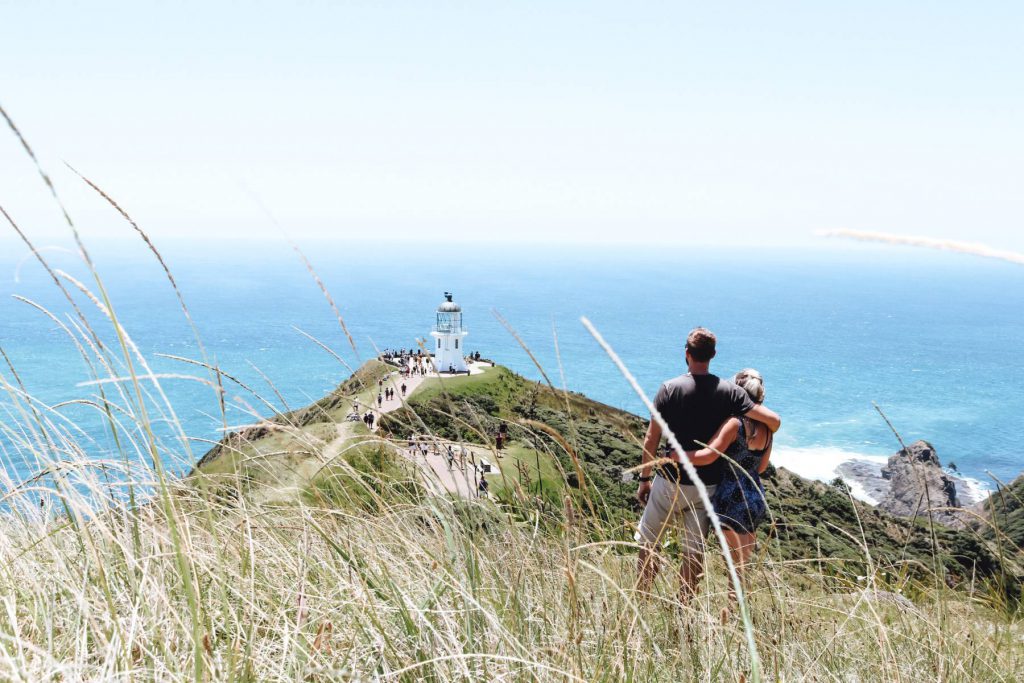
pixel 682 123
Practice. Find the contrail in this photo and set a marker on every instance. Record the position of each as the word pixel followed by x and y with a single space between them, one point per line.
pixel 947 245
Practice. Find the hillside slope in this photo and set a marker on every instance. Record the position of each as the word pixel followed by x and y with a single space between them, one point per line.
pixel 565 444
pixel 1003 514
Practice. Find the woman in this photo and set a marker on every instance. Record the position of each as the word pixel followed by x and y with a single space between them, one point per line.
pixel 739 498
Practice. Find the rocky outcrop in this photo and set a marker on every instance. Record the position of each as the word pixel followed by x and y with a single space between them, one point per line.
pixel 918 484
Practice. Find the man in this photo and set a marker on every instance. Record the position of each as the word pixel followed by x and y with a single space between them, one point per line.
pixel 693 405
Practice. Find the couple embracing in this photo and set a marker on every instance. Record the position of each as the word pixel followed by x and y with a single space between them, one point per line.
pixel 728 416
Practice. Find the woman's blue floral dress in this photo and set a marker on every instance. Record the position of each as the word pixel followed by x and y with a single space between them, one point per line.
pixel 739 499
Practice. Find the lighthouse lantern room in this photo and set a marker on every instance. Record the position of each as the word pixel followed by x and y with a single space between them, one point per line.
pixel 449 337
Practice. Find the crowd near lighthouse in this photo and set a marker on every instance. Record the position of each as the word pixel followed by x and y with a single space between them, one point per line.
pixel 449 337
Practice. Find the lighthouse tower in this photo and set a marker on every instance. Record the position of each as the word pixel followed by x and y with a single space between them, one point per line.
pixel 449 335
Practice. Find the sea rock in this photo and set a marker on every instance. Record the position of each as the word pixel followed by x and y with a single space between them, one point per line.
pixel 917 484
pixel 866 475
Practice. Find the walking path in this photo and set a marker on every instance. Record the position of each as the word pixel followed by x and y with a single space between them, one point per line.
pixel 293 476
pixel 462 476
pixel 459 479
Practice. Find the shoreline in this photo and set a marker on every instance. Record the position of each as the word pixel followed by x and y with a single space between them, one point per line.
pixel 862 472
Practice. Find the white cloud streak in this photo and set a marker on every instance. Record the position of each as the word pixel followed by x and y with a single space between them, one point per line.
pixel 973 249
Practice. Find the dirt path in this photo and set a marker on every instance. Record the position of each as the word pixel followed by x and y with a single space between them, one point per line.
pixel 294 480
pixel 460 478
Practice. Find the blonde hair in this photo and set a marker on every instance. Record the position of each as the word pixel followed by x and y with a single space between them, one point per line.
pixel 750 380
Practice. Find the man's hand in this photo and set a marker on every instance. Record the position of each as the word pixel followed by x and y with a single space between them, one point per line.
pixel 643 492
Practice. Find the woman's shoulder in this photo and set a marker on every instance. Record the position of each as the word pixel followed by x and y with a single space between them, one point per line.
pixel 756 432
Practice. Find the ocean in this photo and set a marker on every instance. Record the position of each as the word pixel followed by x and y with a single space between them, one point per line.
pixel 934 339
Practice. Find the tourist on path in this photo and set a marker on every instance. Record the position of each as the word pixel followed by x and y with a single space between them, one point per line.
pixel 693 405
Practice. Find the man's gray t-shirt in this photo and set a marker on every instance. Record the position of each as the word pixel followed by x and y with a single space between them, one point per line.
pixel 695 406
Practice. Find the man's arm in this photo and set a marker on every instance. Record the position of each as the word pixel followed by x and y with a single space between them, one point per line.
pixel 767 417
pixel 651 442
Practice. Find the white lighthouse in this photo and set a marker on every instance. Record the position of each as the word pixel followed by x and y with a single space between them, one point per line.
pixel 449 335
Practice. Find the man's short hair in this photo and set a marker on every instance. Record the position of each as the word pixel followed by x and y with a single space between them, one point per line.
pixel 701 344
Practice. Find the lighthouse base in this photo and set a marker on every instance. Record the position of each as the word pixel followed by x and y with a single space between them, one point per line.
pixel 447 357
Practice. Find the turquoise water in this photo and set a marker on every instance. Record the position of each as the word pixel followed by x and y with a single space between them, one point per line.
pixel 932 338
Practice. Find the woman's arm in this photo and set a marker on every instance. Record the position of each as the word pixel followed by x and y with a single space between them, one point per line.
pixel 764 458
pixel 722 439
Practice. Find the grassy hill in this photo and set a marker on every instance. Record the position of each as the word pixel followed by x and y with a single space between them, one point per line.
pixel 810 519
pixel 1003 514
pixel 307 548
pixel 565 444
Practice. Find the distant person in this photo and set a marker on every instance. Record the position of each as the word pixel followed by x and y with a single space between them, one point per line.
pixel 693 405
pixel 380 400
pixel 482 487
pixel 403 388
pixel 739 499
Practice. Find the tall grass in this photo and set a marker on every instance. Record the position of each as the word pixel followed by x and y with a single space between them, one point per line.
pixel 128 573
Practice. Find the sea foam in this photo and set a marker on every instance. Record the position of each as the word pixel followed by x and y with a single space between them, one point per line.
pixel 822 463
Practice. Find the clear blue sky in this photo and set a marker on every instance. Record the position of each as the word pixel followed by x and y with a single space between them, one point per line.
pixel 689 123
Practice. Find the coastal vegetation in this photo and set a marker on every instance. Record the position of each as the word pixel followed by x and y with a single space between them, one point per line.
pixel 1002 514
pixel 355 569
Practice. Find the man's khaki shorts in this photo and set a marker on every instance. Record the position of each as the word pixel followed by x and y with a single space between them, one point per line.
pixel 671 506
